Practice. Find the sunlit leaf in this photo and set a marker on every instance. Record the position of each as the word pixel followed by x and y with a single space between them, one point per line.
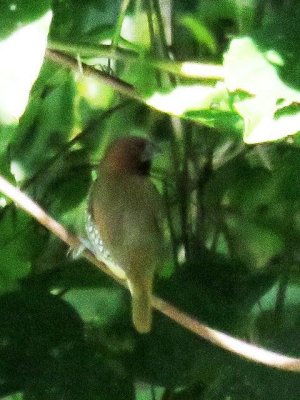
pixel 249 68
pixel 21 56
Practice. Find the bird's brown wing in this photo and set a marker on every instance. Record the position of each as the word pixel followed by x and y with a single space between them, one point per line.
pixel 128 215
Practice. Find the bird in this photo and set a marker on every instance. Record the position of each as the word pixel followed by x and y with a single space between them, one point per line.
pixel 125 220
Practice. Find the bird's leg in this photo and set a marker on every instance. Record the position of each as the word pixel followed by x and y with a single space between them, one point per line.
pixel 76 251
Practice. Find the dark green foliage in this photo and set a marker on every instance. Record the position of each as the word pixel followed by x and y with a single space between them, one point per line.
pixel 19 13
pixel 233 200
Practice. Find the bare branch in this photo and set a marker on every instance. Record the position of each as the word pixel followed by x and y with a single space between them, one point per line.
pixel 220 339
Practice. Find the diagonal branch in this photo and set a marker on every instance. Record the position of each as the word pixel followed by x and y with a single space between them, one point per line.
pixel 114 82
pixel 220 339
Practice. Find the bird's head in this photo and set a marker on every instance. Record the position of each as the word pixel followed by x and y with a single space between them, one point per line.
pixel 130 155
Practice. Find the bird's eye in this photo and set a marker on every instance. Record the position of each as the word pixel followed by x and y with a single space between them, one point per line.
pixel 144 168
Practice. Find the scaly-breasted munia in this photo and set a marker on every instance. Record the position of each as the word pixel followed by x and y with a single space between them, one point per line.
pixel 125 220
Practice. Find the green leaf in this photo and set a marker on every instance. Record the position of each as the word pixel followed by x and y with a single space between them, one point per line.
pixel 226 121
pixel 43 343
pixel 202 103
pixel 19 246
pixel 21 56
pixel 263 121
pixel 83 21
pixel 285 320
pixel 200 31
pixel 44 132
pixel 182 99
pixel 101 306
pixel 37 332
pixel 18 13
pixel 213 290
pixel 253 244
pixel 255 65
pixel 16 396
pixel 251 382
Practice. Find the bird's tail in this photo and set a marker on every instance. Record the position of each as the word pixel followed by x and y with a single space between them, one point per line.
pixel 141 305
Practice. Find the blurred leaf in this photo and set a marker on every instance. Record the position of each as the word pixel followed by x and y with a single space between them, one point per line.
pixel 250 382
pixel 257 67
pixel 248 69
pixel 227 121
pixel 72 171
pixel 18 13
pixel 101 306
pixel 278 40
pixel 68 274
pixel 88 19
pixel 19 246
pixel 41 134
pixel 60 101
pixel 253 244
pixel 285 321
pixel 97 94
pixel 145 392
pixel 215 291
pixel 16 396
pixel 42 344
pixel 218 9
pixel 38 332
pixel 202 103
pixel 200 31
pixel 135 29
pixel 27 44
pixel 182 98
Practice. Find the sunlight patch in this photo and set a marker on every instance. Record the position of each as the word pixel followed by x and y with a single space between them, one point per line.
pixel 21 55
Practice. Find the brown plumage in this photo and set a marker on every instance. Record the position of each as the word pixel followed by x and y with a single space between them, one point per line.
pixel 125 217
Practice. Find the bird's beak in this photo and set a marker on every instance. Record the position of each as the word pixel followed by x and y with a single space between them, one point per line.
pixel 150 151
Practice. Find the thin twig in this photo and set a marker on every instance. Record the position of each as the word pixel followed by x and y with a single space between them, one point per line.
pixel 153 39
pixel 220 339
pixel 185 190
pixel 161 29
pixel 189 69
pixel 162 45
pixel 168 208
pixel 115 83
pixel 204 174
pixel 117 34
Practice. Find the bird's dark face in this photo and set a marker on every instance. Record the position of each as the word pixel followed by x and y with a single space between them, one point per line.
pixel 130 155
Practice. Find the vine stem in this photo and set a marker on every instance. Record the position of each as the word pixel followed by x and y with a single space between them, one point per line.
pixel 188 69
pixel 120 20
pixel 218 338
